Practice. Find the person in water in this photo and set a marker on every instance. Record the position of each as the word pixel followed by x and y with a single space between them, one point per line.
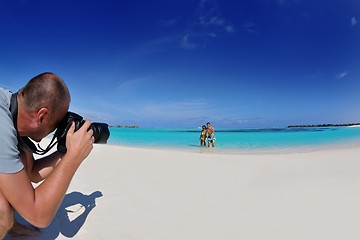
pixel 210 133
pixel 203 136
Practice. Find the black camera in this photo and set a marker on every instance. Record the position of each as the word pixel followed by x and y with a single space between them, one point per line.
pixel 101 131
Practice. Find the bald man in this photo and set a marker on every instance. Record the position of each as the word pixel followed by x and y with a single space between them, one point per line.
pixel 41 104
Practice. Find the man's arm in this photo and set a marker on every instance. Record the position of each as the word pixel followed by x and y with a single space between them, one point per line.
pixel 39 206
pixel 39 169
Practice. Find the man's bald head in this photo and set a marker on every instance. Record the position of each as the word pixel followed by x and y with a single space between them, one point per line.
pixel 45 90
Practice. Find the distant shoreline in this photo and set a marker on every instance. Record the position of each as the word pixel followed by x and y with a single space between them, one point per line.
pixel 290 126
pixel 125 126
pixel 325 125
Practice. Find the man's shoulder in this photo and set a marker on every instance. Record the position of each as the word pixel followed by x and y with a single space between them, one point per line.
pixel 9 153
pixel 5 97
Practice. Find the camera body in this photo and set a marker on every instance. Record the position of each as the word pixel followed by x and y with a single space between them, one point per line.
pixel 101 131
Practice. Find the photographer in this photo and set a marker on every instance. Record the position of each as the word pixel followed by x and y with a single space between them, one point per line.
pixel 42 104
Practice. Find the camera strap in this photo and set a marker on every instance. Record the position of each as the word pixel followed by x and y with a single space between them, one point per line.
pixel 25 141
pixel 14 109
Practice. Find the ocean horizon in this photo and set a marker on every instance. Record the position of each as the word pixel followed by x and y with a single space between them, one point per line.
pixel 236 139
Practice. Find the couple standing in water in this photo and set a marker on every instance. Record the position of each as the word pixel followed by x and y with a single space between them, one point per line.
pixel 207 134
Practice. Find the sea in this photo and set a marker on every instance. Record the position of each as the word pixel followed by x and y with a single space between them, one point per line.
pixel 238 139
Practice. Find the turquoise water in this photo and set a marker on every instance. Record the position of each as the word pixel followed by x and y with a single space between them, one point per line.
pixel 236 139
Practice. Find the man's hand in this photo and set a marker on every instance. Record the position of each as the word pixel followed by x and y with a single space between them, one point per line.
pixel 80 143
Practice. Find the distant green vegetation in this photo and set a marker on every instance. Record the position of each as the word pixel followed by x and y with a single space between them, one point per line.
pixel 125 126
pixel 324 125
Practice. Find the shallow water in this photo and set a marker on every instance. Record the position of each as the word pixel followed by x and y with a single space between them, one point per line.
pixel 236 139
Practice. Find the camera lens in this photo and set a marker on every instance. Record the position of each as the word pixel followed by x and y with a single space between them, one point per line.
pixel 101 132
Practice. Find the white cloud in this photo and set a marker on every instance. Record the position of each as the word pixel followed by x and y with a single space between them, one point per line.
pixel 250 27
pixel 353 21
pixel 209 22
pixel 98 116
pixel 210 16
pixel 186 42
pixel 342 75
pixel 212 34
pixel 230 28
pixel 216 21
pixel 167 23
pixel 208 13
pixel 317 75
pixel 176 111
pixel 131 85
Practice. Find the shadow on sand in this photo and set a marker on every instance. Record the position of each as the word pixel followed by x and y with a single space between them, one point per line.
pixel 69 219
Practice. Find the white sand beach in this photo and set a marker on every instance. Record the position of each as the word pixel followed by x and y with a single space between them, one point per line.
pixel 132 193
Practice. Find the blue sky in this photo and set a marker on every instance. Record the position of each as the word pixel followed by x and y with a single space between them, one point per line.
pixel 161 63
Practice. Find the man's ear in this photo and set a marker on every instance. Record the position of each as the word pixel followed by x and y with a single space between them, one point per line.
pixel 42 115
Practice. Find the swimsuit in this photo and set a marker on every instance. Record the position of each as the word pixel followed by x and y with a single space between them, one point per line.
pixel 211 139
